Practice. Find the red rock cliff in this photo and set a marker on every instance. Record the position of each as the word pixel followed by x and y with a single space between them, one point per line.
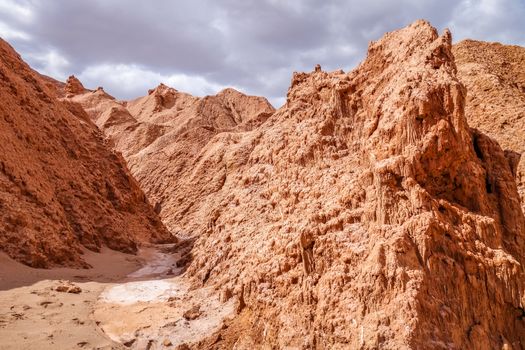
pixel 61 188
pixel 365 213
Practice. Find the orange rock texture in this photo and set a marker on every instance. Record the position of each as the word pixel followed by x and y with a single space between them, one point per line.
pixel 364 213
pixel 163 136
pixel 495 79
pixel 61 188
pixel 367 214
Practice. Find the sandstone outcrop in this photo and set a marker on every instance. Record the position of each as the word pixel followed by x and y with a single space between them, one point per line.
pixel 74 86
pixel 365 213
pixel 495 79
pixel 61 188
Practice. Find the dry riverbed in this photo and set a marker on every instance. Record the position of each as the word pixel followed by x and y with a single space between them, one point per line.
pixel 123 302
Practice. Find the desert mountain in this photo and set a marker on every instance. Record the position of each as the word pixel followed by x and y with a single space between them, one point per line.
pixel 62 188
pixel 494 75
pixel 162 136
pixel 365 213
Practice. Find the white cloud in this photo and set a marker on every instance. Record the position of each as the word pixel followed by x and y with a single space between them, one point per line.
pixel 133 80
pixel 19 10
pixel 9 33
pixel 50 63
pixel 252 45
pixel 489 20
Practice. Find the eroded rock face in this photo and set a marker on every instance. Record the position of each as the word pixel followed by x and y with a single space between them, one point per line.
pixel 364 213
pixel 495 79
pixel 74 86
pixel 163 134
pixel 61 188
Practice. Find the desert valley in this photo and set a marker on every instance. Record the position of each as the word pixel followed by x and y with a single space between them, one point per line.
pixel 377 208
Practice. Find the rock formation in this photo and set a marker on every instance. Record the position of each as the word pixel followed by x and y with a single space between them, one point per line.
pixel 162 135
pixel 495 79
pixel 365 213
pixel 61 188
pixel 74 86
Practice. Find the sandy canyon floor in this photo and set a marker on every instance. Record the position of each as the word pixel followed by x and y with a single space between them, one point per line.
pixel 123 302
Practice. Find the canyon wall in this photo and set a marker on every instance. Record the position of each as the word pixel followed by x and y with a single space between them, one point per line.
pixel 62 189
pixel 365 213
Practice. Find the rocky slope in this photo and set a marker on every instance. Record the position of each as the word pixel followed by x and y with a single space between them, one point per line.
pixel 161 136
pixel 495 78
pixel 61 188
pixel 365 213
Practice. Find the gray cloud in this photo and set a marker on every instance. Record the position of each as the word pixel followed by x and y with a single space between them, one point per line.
pixel 201 46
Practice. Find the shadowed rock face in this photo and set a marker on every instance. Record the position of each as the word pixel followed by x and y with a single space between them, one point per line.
pixel 495 79
pixel 365 213
pixel 61 188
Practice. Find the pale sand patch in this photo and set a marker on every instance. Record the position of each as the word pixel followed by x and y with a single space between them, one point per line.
pixel 158 264
pixel 151 312
pixel 143 291
pixel 108 266
pixel 35 316
pixel 105 315
pixel 38 317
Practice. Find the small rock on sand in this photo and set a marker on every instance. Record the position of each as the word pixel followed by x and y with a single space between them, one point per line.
pixel 68 287
pixel 192 313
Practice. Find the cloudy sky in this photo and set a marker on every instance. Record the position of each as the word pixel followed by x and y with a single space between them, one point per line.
pixel 202 46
